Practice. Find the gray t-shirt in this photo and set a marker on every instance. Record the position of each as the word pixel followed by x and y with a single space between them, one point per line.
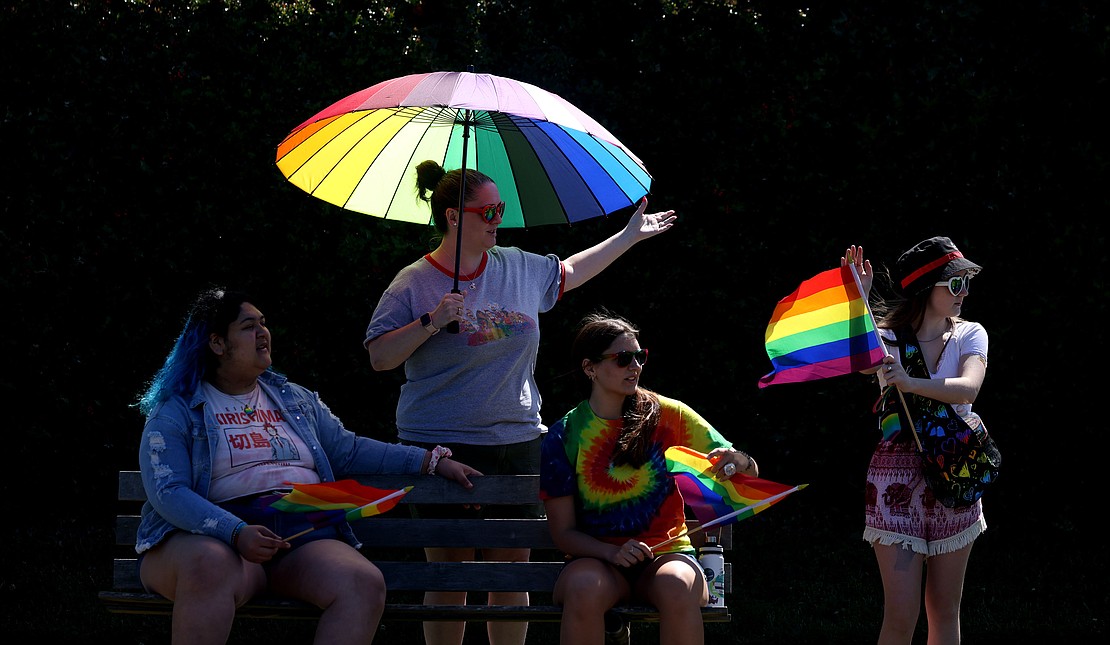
pixel 477 386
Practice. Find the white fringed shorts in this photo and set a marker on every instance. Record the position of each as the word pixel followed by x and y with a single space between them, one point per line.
pixel 901 509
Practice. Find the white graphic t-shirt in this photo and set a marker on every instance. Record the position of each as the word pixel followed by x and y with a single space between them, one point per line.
pixel 258 452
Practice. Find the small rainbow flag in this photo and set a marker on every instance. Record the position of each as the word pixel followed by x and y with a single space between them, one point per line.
pixel 821 330
pixel 713 500
pixel 328 503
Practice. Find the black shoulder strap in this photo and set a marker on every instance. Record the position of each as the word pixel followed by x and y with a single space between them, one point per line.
pixel 910 349
pixel 909 354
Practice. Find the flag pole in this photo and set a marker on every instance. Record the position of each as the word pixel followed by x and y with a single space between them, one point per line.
pixel 729 516
pixel 353 511
pixel 875 328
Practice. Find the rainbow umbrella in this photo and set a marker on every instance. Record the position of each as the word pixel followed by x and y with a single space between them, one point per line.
pixel 552 163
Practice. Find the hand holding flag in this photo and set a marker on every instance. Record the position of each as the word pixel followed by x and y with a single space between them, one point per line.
pixel 329 503
pixel 715 502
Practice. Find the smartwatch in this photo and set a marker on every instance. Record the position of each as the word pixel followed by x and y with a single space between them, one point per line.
pixel 426 320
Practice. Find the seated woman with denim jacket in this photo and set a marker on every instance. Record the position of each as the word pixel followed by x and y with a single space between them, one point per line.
pixel 223 433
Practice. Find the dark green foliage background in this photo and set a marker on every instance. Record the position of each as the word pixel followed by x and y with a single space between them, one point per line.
pixel 138 145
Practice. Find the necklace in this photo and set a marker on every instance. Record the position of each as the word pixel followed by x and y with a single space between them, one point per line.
pixel 250 405
pixel 471 277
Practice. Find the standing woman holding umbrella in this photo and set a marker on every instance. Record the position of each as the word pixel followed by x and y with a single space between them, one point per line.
pixel 472 394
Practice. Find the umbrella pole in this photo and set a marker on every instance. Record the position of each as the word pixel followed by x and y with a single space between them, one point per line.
pixel 453 326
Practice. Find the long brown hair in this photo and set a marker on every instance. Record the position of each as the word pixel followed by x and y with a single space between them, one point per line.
pixel 899 312
pixel 639 412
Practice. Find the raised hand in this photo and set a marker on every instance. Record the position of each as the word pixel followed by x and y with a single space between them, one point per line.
pixel 649 224
pixel 854 255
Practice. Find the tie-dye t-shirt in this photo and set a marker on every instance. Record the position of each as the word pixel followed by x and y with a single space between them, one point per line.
pixel 615 503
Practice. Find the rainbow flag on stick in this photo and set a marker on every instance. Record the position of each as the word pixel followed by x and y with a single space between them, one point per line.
pixel 821 330
pixel 331 502
pixel 716 502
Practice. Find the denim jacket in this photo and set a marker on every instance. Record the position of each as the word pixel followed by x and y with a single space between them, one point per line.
pixel 175 457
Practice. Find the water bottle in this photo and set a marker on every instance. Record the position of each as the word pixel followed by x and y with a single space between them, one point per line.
pixel 712 559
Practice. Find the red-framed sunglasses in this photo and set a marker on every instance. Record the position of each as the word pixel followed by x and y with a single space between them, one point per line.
pixel 487 212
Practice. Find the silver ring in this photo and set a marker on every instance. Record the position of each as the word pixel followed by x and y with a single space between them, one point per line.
pixel 730 469
pixel 889 367
pixel 458 311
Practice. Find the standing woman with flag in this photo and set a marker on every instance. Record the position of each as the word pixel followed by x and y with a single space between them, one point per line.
pixel 223 432
pixel 914 536
pixel 608 494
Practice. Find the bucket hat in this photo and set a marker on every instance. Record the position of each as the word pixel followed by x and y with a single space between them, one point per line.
pixel 929 262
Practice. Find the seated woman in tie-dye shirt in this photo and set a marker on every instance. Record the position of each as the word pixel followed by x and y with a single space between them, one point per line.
pixel 609 497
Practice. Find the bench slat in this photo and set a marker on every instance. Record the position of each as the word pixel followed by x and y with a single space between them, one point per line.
pixel 427 489
pixel 119 602
pixel 395 531
pixel 533 577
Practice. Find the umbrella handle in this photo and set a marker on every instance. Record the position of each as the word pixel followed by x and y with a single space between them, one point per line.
pixel 453 326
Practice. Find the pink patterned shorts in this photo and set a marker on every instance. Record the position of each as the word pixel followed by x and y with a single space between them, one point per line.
pixel 900 508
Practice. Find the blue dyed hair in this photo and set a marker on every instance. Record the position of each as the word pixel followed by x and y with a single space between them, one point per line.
pixel 191 360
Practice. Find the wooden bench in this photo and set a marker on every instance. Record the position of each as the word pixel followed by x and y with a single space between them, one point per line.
pixel 395 542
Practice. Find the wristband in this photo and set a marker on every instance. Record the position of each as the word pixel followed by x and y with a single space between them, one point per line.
pixel 235 534
pixel 751 462
pixel 439 452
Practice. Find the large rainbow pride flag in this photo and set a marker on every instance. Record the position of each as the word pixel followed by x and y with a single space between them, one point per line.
pixel 712 499
pixel 821 330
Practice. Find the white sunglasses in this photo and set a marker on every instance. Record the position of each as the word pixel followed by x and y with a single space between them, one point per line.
pixel 957 284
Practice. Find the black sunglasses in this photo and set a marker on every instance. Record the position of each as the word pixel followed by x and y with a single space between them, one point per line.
pixel 624 359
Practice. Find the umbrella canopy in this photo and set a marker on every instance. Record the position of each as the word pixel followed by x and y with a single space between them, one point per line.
pixel 551 162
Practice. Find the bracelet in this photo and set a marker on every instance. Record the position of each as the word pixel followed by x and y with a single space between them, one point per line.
pixel 439 452
pixel 751 462
pixel 235 534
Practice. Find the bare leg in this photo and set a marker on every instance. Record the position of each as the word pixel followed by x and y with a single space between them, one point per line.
pixel 437 632
pixel 503 632
pixel 586 589
pixel 335 577
pixel 500 632
pixel 206 580
pixel 944 590
pixel 901 570
pixel 677 589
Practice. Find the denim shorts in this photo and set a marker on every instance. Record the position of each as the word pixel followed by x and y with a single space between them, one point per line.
pixel 633 573
pixel 256 509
